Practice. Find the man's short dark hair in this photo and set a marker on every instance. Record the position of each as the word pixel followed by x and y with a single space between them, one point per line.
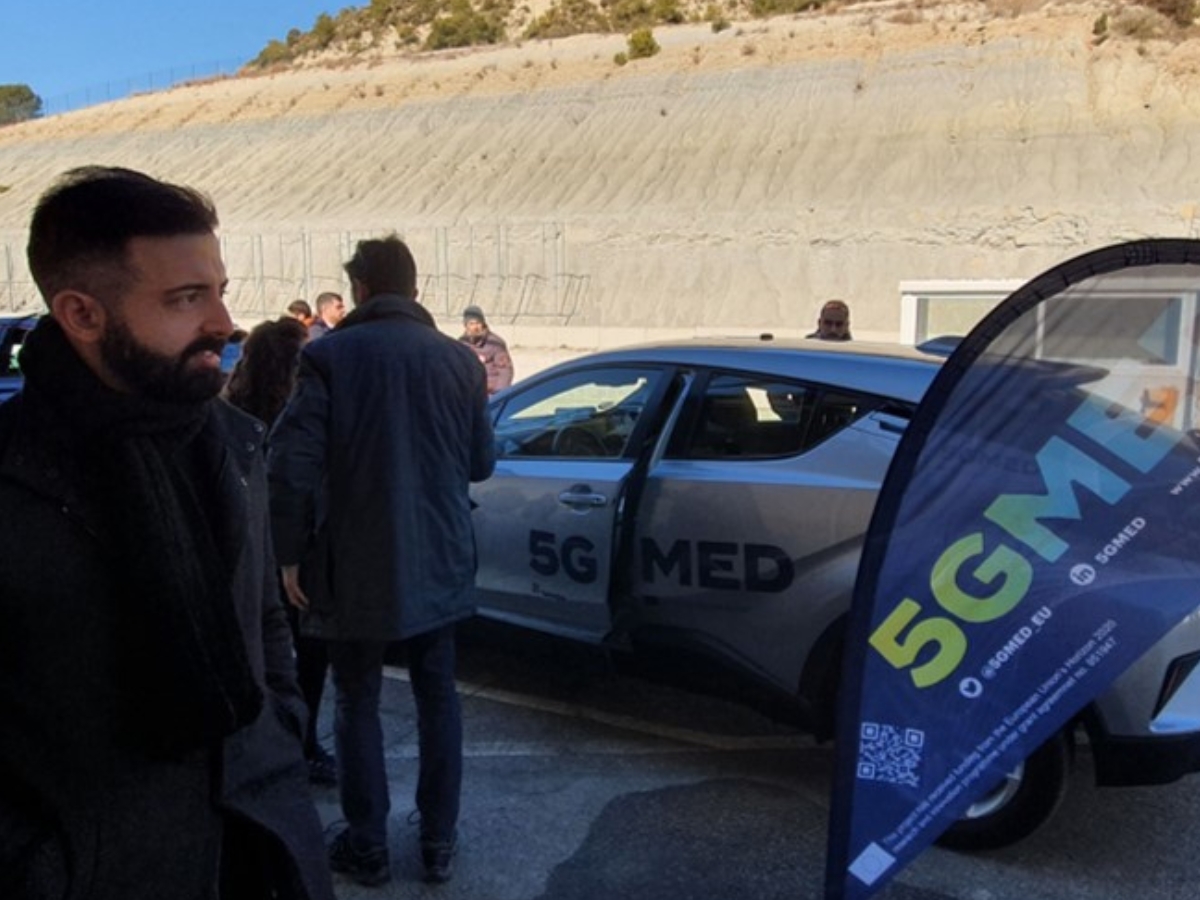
pixel 384 266
pixel 300 308
pixel 82 226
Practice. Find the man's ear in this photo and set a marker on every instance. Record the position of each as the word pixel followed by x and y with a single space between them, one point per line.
pixel 80 315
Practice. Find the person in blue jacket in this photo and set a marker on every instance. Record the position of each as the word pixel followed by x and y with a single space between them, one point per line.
pixel 370 465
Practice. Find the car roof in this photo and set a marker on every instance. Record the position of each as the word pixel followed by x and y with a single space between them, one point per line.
pixel 887 370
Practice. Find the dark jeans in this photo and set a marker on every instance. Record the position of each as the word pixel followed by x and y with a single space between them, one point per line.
pixel 358 735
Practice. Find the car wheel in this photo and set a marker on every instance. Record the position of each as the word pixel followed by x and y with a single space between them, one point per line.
pixel 1017 805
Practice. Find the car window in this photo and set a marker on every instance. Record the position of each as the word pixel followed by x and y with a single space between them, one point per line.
pixel 834 412
pixel 585 414
pixel 748 418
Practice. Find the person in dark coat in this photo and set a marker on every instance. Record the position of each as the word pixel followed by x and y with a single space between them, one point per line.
pixel 265 374
pixel 370 466
pixel 151 724
pixel 489 347
pixel 261 384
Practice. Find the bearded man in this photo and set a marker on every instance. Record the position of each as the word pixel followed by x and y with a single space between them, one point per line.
pixel 833 324
pixel 151 736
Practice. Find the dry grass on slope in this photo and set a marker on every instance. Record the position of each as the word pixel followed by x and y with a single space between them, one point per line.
pixel 332 82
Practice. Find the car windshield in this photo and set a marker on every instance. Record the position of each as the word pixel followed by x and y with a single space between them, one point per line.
pixel 582 401
pixel 589 413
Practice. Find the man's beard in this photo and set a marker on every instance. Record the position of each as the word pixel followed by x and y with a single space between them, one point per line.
pixel 158 377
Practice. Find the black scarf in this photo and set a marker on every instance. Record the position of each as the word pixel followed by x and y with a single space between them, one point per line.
pixel 184 664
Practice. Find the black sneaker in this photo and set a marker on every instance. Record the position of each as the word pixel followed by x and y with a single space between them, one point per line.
pixel 369 867
pixel 322 768
pixel 438 857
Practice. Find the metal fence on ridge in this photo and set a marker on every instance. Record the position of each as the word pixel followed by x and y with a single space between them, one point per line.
pixel 518 273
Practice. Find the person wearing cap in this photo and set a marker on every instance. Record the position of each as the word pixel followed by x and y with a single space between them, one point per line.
pixel 833 324
pixel 489 347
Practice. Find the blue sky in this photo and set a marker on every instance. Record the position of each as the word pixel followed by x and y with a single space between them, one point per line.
pixel 81 51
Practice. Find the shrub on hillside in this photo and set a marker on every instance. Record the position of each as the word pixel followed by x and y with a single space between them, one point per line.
pixel 626 15
pixel 324 31
pixel 1141 23
pixel 276 53
pixel 1181 12
pixel 18 102
pixel 642 44
pixel 716 16
pixel 380 12
pixel 463 27
pixel 567 17
pixel 763 8
pixel 400 13
pixel 669 12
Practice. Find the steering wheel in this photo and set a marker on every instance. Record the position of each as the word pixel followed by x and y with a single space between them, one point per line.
pixel 572 440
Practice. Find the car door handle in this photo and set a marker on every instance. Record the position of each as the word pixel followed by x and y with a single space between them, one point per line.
pixel 582 496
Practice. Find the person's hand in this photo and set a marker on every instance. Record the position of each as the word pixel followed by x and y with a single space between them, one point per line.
pixel 291 586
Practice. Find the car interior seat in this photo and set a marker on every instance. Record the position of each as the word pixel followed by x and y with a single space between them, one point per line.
pixel 726 422
pixel 833 415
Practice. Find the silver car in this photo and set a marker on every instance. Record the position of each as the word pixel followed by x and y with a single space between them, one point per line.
pixel 714 495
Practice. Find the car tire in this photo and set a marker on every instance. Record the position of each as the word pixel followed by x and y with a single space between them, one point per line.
pixel 1020 804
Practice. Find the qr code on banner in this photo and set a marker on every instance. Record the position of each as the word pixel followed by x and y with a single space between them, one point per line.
pixel 890 754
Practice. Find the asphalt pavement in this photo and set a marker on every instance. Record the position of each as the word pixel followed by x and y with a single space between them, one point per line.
pixel 583 781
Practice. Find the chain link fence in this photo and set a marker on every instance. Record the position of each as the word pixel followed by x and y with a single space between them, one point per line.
pixel 519 274
pixel 118 88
